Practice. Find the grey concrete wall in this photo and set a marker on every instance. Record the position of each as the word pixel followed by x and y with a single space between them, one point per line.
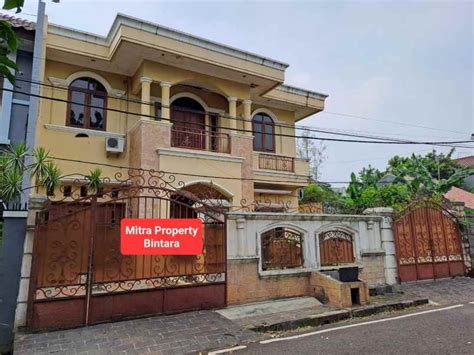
pixel 372 235
pixel 14 230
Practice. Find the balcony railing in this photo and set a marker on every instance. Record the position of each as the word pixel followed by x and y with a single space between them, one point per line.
pixel 276 162
pixel 200 139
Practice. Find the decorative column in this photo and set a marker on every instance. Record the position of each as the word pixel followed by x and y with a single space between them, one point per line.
pixel 247 117
pixel 388 242
pixel 232 112
pixel 165 100
pixel 146 104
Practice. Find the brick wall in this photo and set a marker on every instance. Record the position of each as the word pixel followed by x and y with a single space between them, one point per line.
pixel 337 293
pixel 245 285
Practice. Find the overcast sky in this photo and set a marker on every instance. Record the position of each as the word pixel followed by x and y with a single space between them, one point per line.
pixel 405 61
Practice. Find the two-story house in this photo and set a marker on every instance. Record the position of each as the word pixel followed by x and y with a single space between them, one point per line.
pixel 208 124
pixel 214 116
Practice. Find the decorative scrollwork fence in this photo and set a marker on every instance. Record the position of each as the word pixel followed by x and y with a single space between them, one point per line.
pixel 428 242
pixel 79 277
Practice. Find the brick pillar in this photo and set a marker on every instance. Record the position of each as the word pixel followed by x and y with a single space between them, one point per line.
pixel 457 208
pixel 145 138
pixel 242 146
pixel 35 205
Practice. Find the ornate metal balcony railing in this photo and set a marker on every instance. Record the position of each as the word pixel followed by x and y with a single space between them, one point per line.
pixel 200 139
pixel 276 162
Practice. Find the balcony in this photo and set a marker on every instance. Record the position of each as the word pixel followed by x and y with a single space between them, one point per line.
pixel 276 162
pixel 200 139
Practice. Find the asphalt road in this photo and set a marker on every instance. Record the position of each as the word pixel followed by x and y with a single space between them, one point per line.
pixel 447 331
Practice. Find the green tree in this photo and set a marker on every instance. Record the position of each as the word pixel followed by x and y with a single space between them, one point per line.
pixel 440 166
pixel 416 176
pixel 315 192
pixel 8 41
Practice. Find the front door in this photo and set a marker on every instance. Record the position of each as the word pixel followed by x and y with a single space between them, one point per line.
pixel 189 124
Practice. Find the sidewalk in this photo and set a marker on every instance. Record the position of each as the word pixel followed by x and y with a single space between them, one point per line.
pixel 200 331
pixel 175 334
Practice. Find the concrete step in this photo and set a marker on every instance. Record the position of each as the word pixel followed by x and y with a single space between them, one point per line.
pixel 269 307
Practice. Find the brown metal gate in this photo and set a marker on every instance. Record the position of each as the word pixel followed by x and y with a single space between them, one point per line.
pixel 428 243
pixel 79 276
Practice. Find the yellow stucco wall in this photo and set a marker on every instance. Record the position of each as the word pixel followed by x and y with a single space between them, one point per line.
pixel 61 141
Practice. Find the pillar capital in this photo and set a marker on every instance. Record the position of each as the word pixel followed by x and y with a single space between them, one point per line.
pixel 247 102
pixel 146 79
pixel 231 99
pixel 165 84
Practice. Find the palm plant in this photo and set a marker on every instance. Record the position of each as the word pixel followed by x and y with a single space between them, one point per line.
pixel 13 169
pixel 94 180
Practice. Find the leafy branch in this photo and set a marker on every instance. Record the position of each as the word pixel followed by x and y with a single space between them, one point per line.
pixel 9 41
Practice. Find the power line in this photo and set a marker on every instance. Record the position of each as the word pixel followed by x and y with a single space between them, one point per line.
pixel 235 129
pixel 378 134
pixel 339 114
pixel 391 122
pixel 305 128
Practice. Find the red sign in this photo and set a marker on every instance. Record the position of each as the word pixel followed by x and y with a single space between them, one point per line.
pixel 161 236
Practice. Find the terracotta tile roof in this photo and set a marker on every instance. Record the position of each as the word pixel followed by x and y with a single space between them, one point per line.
pixel 18 22
pixel 466 161
pixel 459 195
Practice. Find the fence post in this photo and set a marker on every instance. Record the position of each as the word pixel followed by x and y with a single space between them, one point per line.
pixel 388 242
pixel 466 234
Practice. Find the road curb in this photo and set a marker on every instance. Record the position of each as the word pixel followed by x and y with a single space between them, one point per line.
pixel 336 316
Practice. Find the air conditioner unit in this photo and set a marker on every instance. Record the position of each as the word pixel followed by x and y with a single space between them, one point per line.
pixel 114 144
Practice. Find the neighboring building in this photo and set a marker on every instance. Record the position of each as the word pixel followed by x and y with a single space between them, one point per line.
pixel 459 195
pixel 18 112
pixel 205 83
pixel 467 162
pixel 14 107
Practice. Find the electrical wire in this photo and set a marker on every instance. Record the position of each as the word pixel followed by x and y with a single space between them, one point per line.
pixel 237 129
pixel 298 127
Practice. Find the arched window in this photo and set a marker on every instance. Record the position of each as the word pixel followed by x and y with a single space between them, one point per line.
pixel 264 133
pixel 84 93
pixel 336 248
pixel 282 248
